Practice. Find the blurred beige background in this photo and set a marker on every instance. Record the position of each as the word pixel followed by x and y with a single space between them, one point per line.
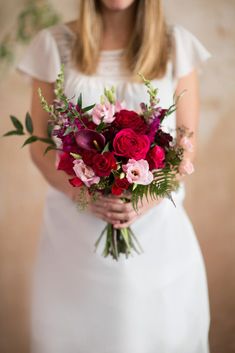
pixel 210 198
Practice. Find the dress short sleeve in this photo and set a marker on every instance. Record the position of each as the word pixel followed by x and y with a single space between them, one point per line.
pixel 189 53
pixel 41 59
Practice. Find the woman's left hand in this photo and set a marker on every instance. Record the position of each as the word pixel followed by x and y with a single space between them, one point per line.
pixel 118 212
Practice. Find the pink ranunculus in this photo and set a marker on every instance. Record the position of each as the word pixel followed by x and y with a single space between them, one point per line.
pixel 186 167
pixel 85 173
pixel 186 144
pixel 138 172
pixel 103 112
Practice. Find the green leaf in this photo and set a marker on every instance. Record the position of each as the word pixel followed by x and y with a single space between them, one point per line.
pixel 75 155
pixel 50 127
pixel 68 130
pixel 50 148
pixel 89 107
pixel 134 186
pixel 100 127
pixel 125 235
pixel 29 140
pixel 29 123
pixel 18 125
pixel 46 140
pixel 79 100
pixel 106 148
pixel 13 132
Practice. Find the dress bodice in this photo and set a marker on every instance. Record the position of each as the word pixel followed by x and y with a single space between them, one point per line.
pixel 52 46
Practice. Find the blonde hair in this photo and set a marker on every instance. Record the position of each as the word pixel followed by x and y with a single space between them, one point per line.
pixel 148 48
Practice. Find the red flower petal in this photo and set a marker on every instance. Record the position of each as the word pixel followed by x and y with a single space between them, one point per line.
pixel 76 182
pixel 116 190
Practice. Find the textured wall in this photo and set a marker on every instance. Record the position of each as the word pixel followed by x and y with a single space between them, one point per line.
pixel 210 191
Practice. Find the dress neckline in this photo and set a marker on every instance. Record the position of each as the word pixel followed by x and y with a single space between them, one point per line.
pixel 108 53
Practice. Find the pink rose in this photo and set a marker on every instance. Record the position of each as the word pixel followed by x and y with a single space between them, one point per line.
pixel 186 167
pixel 186 144
pixel 138 172
pixel 85 173
pixel 155 158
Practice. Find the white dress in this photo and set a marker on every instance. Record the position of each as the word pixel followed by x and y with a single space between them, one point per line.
pixel 156 302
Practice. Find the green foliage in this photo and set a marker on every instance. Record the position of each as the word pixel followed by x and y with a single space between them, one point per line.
pixel 28 130
pixel 29 140
pixel 89 107
pixel 37 14
pixel 50 148
pixel 151 90
pixel 163 184
pixel 110 95
pixel 16 122
pixel 29 123
pixel 18 125
pixel 59 85
pixel 48 108
pixel 79 100
pixel 174 156
pixel 118 241
pixel 13 132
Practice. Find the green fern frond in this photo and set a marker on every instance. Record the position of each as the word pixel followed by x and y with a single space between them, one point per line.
pixel 162 186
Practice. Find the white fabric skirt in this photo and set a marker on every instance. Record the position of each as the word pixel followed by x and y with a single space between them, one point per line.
pixel 148 303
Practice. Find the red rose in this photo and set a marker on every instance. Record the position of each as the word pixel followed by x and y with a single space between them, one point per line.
pixel 87 157
pixel 122 183
pixel 115 190
pixel 102 164
pixel 66 163
pixel 156 157
pixel 130 119
pixel 119 186
pixel 76 182
pixel 128 144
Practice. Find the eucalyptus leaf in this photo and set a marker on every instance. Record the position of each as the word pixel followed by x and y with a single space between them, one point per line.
pixel 50 148
pixel 46 140
pixel 29 140
pixel 79 100
pixel 13 132
pixel 29 123
pixel 89 107
pixel 16 122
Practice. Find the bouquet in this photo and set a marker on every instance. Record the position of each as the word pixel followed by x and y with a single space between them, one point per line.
pixel 107 149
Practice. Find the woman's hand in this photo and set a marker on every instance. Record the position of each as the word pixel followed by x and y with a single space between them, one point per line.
pixel 117 212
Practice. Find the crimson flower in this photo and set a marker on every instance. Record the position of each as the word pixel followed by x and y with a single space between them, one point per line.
pixel 129 144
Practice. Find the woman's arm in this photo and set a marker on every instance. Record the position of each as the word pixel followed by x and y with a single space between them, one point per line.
pixel 187 113
pixel 46 163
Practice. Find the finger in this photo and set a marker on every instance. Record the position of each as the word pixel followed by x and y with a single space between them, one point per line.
pixel 125 224
pixel 123 217
pixel 104 202
pixel 114 207
pixel 110 217
pixel 111 207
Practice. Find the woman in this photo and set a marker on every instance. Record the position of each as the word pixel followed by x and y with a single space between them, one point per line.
pixel 82 302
